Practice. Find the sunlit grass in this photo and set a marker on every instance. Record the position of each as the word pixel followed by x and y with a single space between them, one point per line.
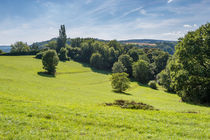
pixel 70 105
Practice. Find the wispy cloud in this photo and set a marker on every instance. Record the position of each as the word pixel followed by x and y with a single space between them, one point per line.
pixel 131 11
pixel 110 19
pixel 143 12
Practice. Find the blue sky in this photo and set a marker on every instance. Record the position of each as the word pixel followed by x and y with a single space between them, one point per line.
pixel 38 20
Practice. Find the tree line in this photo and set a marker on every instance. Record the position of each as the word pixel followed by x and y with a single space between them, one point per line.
pixel 186 73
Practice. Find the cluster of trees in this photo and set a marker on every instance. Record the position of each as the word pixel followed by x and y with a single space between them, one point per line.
pixel 124 60
pixel 54 51
pixel 21 48
pixel 119 57
pixel 188 71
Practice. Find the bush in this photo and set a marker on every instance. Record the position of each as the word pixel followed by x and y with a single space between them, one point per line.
pixel 50 61
pixel 118 67
pixel 39 55
pixel 63 54
pixel 152 84
pixel 120 81
pixel 1 51
pixel 141 71
pixel 131 105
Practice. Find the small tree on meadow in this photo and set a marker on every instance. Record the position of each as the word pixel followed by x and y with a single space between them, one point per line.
pixel 50 61
pixel 120 81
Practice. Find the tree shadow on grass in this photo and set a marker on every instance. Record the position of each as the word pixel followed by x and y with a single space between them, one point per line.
pixel 140 84
pixel 45 74
pixel 197 104
pixel 106 72
pixel 123 93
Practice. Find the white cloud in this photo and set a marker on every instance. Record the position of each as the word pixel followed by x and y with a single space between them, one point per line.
pixel 190 26
pixel 169 1
pixel 187 26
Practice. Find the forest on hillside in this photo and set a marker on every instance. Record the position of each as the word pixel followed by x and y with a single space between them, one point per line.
pixel 185 72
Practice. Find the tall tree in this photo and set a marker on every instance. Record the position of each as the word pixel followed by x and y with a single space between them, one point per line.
pixel 61 42
pixel 190 71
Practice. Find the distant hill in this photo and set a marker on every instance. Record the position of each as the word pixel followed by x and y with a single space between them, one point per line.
pixel 146 41
pixel 165 45
pixel 5 48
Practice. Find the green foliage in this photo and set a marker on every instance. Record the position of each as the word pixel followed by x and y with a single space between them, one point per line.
pixel 39 55
pixel 160 61
pixel 127 62
pixel 190 72
pixel 152 84
pixel 86 51
pixel 134 53
pixel 113 55
pixel 61 41
pixel 51 45
pixel 63 55
pixel 96 60
pixel 50 61
pixel 118 67
pixel 157 58
pixel 20 48
pixel 1 51
pixel 164 79
pixel 141 71
pixel 76 42
pixel 34 47
pixel 120 81
pixel 115 44
pixel 74 53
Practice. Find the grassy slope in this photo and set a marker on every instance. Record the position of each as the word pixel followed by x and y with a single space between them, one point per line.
pixel 69 106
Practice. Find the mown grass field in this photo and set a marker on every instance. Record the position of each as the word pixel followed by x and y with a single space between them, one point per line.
pixel 70 106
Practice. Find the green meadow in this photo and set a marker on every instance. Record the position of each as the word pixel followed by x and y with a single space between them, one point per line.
pixel 71 106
